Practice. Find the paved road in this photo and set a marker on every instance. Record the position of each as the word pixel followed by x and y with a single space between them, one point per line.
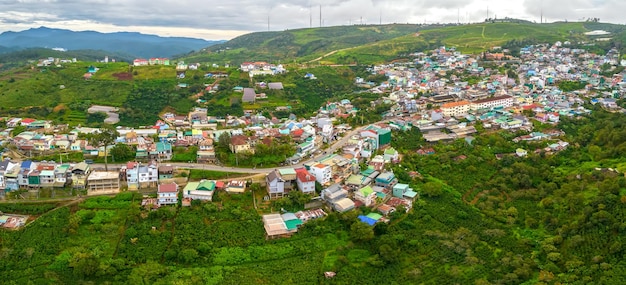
pixel 331 149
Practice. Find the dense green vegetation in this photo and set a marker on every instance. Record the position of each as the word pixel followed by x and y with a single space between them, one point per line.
pixel 300 96
pixel 543 219
pixel 262 155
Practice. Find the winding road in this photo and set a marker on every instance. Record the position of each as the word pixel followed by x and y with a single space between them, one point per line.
pixel 331 149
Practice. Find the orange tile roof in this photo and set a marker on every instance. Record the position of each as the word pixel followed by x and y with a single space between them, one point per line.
pixel 455 104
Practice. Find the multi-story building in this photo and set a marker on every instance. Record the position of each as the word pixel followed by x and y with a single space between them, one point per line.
pixel 322 173
pixel 100 182
pixel 167 194
pixel 454 109
pixel 305 181
pixel 504 101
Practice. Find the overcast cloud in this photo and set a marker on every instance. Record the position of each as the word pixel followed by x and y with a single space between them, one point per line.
pixel 226 19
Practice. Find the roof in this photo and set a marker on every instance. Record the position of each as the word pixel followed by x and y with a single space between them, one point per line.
pixel 344 204
pixel 293 224
pixel 287 171
pixel 273 175
pixel 274 225
pixel 289 216
pixel 162 146
pixel 486 100
pixel 81 166
pixel 304 176
pixel 367 220
pixel 238 140
pixel 168 188
pixel 103 175
pixel 191 186
pixel 26 164
pixel 455 104
pixel 275 85
pixel 249 95
pixel 206 185
pixel 385 208
pixel 366 191
pixel 375 216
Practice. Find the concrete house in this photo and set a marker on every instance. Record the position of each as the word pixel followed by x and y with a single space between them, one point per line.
pixel 202 190
pixel 25 168
pixel 239 144
pixel 322 173
pixel 275 185
pixel 305 181
pixel 365 195
pixel 167 194
pixel 164 150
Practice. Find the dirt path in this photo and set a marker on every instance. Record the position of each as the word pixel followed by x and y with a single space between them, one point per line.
pixel 75 201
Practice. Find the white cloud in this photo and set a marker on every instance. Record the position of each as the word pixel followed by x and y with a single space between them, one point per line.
pixel 226 19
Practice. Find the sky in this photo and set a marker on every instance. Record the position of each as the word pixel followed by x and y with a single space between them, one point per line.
pixel 226 19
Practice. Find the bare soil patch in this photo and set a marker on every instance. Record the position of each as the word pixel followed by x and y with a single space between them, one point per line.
pixel 123 76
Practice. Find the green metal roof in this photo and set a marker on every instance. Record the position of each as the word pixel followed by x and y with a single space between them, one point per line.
pixel 191 186
pixel 161 146
pixel 293 224
pixel 374 216
pixel 366 191
pixel 206 185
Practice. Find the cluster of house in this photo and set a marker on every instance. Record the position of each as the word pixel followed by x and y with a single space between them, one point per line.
pixel 34 175
pixel 345 187
pixel 168 192
pixel 433 92
pixel 261 68
pixel 151 61
pixel 53 61
pixel 250 95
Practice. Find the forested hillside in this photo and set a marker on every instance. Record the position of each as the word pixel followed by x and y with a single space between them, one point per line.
pixel 543 219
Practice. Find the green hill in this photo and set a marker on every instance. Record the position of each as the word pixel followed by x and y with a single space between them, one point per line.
pixel 301 44
pixel 20 58
pixel 61 93
pixel 376 44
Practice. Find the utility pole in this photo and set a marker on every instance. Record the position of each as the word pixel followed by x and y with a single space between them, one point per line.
pixel 320 16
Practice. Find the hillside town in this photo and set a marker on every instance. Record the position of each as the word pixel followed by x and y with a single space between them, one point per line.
pixel 444 94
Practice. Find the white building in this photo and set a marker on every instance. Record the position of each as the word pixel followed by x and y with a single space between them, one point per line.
pixel 167 194
pixel 322 173
pixel 305 181
pixel 202 190
pixel 494 102
pixel 366 195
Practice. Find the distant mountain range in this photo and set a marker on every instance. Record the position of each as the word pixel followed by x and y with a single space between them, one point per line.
pixel 134 44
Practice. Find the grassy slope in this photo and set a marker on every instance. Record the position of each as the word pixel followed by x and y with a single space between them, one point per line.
pixel 375 44
pixel 469 39
pixel 304 44
pixel 44 85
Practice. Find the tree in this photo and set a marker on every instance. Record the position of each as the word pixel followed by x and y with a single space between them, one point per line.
pixel 432 189
pixel 224 140
pixel 361 232
pixel 122 152
pixel 104 138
